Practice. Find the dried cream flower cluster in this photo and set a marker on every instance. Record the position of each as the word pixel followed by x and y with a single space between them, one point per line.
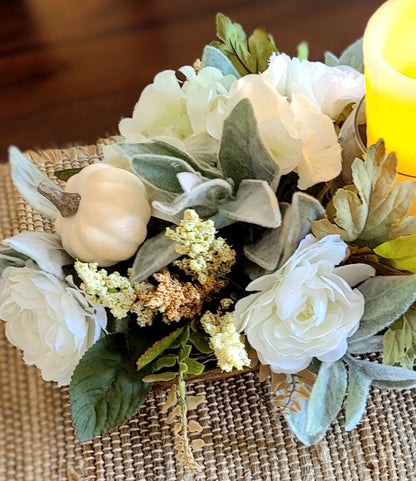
pixel 175 299
pixel 207 260
pixel 206 255
pixel 225 340
pixel 110 290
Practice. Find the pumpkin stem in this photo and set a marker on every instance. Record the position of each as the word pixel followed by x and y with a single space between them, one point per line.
pixel 66 202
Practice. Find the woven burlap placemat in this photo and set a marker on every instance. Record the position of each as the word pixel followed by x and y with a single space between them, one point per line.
pixel 244 437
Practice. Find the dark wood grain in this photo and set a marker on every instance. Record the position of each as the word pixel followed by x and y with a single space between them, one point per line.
pixel 70 70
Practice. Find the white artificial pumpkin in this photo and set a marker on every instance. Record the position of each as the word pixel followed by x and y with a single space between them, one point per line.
pixel 111 220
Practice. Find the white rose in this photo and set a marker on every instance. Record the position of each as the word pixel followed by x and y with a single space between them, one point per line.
pixel 49 319
pixel 329 89
pixel 306 308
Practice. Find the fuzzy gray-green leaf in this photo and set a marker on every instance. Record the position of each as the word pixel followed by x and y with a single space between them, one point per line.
pixel 213 57
pixel 242 153
pixel 297 424
pixel 386 299
pixel 380 372
pixel 207 196
pixel 44 248
pixel 326 398
pixel 351 56
pixel 153 254
pixel 366 346
pixel 267 250
pixel 161 171
pixel 297 222
pixel 277 245
pixel 254 203
pixel 163 149
pixel 358 390
pixel 27 177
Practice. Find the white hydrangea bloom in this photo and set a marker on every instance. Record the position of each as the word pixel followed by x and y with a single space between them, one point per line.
pixel 189 116
pixel 299 136
pixel 328 89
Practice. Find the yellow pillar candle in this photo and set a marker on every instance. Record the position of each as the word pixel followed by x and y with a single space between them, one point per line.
pixel 389 49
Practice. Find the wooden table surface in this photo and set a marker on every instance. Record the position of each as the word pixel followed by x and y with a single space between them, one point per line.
pixel 69 71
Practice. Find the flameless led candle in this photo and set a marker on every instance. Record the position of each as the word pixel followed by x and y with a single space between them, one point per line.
pixel 390 72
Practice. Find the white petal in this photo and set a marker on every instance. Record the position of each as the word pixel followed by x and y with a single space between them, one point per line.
pixel 355 273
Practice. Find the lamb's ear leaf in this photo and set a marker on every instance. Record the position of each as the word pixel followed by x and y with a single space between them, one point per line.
pixel 153 254
pixel 297 423
pixel 158 148
pixel 243 154
pixel 255 203
pixel 311 422
pixel 358 390
pixel 362 374
pixel 386 299
pixel 213 57
pixel 42 247
pixel 106 388
pixel 27 177
pixel 327 396
pixel 351 56
pixel 277 245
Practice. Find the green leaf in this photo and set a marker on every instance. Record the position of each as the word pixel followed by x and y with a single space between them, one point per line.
pixel 213 57
pixel 326 398
pixel 44 248
pixel 303 51
pixel 140 338
pixel 185 352
pixel 27 177
pixel 401 252
pixel 373 210
pixel 242 153
pixel 261 46
pixel 386 299
pixel 352 56
pixel 255 203
pixel 200 342
pixel 194 367
pixel 400 341
pixel 67 173
pixel 247 56
pixel 106 390
pixel 158 348
pixel 164 361
pixel 162 377
pixel 154 254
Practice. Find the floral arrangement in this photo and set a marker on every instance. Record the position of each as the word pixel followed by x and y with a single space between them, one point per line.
pixel 222 227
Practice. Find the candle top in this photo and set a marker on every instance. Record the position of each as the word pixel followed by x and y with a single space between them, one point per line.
pixel 390 40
